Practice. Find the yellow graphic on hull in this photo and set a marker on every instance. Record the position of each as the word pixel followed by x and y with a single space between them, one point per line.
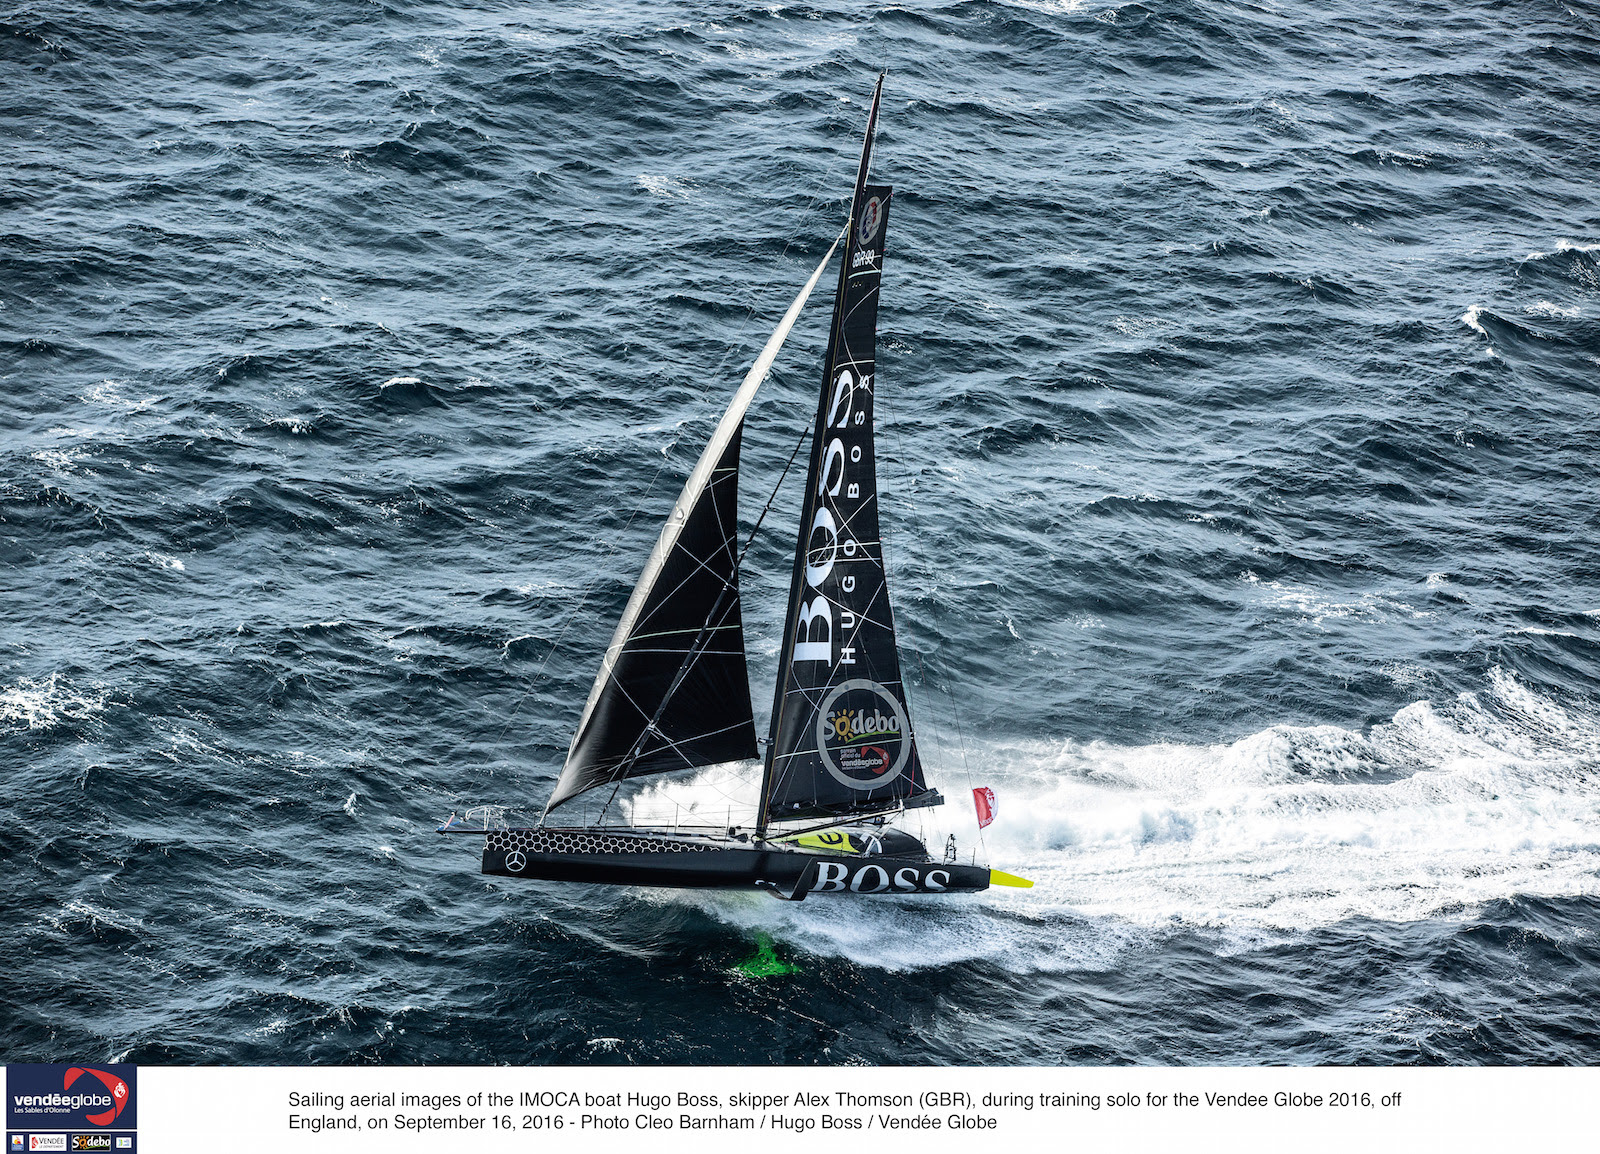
pixel 828 839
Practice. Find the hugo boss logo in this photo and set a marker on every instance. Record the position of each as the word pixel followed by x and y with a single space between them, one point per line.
pixel 837 877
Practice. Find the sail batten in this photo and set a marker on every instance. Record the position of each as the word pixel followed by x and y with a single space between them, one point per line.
pixel 677 657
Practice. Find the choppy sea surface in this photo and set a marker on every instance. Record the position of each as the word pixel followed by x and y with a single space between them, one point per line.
pixel 1239 367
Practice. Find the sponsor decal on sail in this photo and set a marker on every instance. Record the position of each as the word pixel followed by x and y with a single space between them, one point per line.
pixel 862 734
pixel 871 217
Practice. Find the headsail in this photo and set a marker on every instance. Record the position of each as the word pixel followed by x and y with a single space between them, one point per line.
pixel 842 739
pixel 673 691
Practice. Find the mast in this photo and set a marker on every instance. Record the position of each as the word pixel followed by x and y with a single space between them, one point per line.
pixel 842 741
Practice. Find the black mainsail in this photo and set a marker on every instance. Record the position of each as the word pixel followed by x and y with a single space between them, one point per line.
pixel 673 691
pixel 842 741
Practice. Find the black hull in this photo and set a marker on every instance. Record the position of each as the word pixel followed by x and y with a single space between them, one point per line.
pixel 710 863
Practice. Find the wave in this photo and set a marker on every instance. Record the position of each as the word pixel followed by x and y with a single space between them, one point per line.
pixel 1564 245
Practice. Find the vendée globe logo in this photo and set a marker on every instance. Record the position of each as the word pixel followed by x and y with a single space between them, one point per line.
pixel 88 1096
pixel 115 1098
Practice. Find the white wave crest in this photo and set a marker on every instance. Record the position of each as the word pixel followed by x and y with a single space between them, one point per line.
pixel 108 394
pixel 45 703
pixel 1564 245
pixel 666 187
pixel 1317 608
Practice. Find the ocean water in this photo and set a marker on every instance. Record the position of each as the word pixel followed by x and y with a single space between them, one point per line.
pixel 1239 377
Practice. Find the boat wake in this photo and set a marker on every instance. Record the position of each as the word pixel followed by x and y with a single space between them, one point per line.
pixel 1429 815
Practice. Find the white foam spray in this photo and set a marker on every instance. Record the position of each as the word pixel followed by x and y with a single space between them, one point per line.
pixel 1429 815
pixel 45 702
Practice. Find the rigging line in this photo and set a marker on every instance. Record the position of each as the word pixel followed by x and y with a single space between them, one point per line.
pixel 765 509
pixel 676 746
pixel 697 647
pixel 836 344
pixel 690 656
pixel 727 587
pixel 836 821
pixel 955 715
pixel 702 565
pixel 583 598
pixel 763 364
pixel 933 715
pixel 609 800
pixel 665 747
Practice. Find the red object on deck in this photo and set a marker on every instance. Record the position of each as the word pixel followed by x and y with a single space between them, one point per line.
pixel 983 801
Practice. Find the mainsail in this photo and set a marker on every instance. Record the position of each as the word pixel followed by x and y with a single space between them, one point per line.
pixel 842 740
pixel 673 691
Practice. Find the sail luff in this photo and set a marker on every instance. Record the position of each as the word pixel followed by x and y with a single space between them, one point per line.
pixel 724 439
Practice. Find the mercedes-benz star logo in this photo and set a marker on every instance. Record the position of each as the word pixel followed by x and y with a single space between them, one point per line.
pixel 515 861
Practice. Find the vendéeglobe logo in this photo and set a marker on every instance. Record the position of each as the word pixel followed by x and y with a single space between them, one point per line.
pixel 67 1097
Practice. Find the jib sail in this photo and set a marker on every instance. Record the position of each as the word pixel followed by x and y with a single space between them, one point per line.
pixel 673 691
pixel 842 739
